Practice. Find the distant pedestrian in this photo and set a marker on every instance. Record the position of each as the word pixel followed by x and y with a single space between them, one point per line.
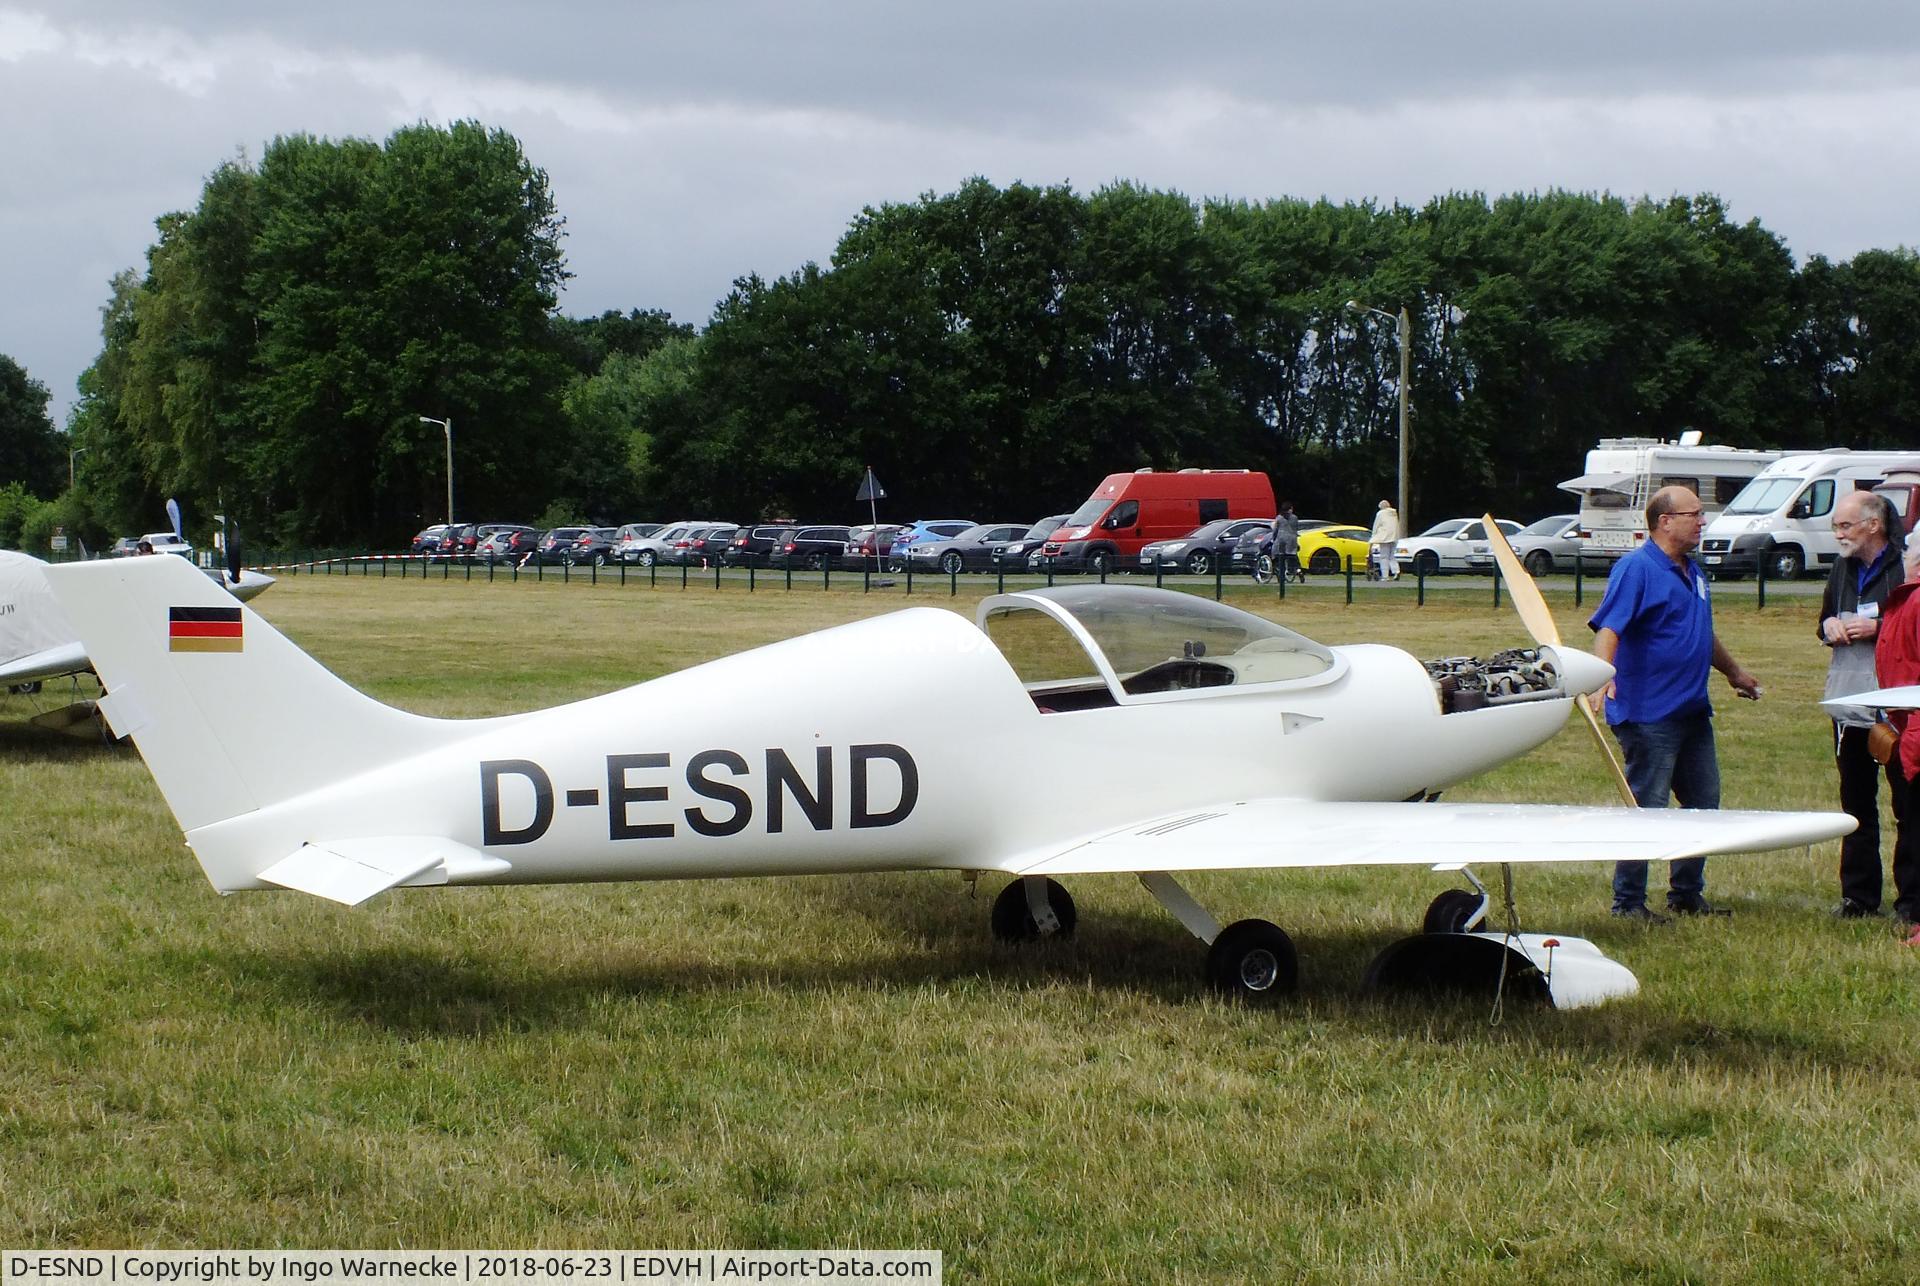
pixel 1655 626
pixel 1383 540
pixel 1286 543
pixel 1867 530
pixel 144 547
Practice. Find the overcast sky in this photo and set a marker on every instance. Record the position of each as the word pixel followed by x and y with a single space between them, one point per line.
pixel 692 141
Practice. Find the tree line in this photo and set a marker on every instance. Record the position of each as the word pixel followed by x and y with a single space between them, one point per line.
pixel 992 350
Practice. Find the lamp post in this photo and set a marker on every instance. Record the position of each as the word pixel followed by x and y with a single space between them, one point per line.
pixel 1403 330
pixel 71 457
pixel 448 426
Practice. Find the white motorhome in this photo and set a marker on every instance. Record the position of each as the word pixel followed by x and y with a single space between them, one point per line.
pixel 1623 473
pixel 1783 519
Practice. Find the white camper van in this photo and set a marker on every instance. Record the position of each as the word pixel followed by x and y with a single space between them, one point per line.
pixel 1623 473
pixel 1784 517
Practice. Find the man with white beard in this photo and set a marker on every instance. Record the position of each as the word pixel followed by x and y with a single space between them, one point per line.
pixel 1868 532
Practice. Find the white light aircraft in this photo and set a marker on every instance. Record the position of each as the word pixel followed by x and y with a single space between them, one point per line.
pixel 1179 735
pixel 37 642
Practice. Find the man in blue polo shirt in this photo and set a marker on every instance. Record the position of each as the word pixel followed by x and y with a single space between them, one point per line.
pixel 1655 626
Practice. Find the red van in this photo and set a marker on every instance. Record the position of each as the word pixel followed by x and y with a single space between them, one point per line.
pixel 1129 511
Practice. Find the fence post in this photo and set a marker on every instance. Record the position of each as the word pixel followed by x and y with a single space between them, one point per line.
pixel 1219 579
pixel 1349 580
pixel 1760 582
pixel 1496 590
pixel 1578 562
pixel 1420 585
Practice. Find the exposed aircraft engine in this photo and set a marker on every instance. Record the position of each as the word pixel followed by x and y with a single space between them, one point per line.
pixel 1517 674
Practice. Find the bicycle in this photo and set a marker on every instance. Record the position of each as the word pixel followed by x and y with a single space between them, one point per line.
pixel 1265 569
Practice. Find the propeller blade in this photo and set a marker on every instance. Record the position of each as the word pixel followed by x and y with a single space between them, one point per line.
pixel 1527 599
pixel 1600 739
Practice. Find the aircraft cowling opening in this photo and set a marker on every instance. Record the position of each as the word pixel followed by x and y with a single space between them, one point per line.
pixel 1517 674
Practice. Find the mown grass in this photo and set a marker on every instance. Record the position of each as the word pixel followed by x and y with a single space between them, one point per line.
pixel 853 1061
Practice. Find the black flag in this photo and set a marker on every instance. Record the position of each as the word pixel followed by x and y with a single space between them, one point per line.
pixel 870 488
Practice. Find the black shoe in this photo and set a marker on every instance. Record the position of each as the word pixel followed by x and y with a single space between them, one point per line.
pixel 1696 905
pixel 1642 913
pixel 1849 909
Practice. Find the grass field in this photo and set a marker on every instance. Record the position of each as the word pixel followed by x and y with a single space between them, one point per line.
pixel 854 1062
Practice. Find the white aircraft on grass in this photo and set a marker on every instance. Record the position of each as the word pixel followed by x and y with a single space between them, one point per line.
pixel 37 642
pixel 1180 735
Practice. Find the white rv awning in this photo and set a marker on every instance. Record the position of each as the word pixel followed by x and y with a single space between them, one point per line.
pixel 1621 482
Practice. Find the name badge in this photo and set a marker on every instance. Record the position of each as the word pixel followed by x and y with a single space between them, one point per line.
pixel 1870 611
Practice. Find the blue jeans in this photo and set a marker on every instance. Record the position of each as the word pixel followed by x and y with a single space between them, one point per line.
pixel 1673 756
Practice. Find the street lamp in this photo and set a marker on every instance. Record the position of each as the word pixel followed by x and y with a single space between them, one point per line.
pixel 71 457
pixel 1403 329
pixel 448 426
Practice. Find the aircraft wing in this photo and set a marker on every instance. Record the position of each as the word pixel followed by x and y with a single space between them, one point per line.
pixel 47 663
pixel 1312 833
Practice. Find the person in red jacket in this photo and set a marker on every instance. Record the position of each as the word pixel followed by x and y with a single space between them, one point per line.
pixel 1896 659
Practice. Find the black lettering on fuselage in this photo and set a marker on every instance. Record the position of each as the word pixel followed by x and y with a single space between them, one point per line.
pixel 816 804
pixel 620 794
pixel 858 758
pixel 491 831
pixel 700 784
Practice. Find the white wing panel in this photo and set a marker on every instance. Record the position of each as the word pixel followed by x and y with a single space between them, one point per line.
pixel 1304 833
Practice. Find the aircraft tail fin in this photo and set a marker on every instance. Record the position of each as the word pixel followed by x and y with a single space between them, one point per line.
pixel 229 714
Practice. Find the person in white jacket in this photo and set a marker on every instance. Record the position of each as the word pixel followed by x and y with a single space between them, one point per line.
pixel 1386 534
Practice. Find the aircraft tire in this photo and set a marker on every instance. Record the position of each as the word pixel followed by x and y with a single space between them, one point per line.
pixel 1254 962
pixel 1013 922
pixel 1450 912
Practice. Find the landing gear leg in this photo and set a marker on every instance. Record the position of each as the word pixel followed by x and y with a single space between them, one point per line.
pixel 1249 960
pixel 1033 907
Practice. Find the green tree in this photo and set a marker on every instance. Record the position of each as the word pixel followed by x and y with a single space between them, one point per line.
pixel 32 452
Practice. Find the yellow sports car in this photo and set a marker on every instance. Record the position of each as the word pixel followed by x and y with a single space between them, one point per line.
pixel 1326 549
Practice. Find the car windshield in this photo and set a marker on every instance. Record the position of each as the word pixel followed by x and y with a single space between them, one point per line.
pixel 1089 513
pixel 1046 527
pixel 1547 526
pixel 1763 495
pixel 1446 528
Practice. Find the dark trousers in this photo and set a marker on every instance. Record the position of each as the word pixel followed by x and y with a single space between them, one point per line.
pixel 1673 757
pixel 1860 851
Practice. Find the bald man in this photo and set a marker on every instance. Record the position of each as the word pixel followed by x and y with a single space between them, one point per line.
pixel 1655 626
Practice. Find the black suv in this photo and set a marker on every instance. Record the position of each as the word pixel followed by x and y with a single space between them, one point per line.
pixel 754 546
pixel 813 547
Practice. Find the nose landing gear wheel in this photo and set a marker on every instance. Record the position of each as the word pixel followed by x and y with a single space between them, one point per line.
pixel 1455 911
pixel 1254 962
pixel 1014 919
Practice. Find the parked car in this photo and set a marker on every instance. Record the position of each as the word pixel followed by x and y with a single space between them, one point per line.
pixel 165 542
pixel 755 546
pixel 970 551
pixel 593 546
pixel 919 530
pixel 1016 554
pixel 869 546
pixel 1207 546
pixel 628 536
pixel 455 538
pixel 1326 550
pixel 1545 547
pixel 1447 546
pixel 699 546
pixel 504 541
pixel 426 542
pixel 554 545
pixel 813 547
pixel 1254 543
pixel 493 547
pixel 648 550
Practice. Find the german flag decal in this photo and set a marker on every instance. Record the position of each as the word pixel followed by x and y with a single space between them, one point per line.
pixel 203 629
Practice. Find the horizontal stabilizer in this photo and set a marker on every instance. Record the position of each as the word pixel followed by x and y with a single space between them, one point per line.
pixel 351 871
pixel 1304 833
pixel 1907 698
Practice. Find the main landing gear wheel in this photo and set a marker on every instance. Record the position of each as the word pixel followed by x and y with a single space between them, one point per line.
pixel 1454 911
pixel 1253 961
pixel 1014 919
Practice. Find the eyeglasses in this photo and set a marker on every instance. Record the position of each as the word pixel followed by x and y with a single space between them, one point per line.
pixel 1849 526
pixel 1683 513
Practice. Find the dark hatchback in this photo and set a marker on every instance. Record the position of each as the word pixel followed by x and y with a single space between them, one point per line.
pixel 1206 547
pixel 700 546
pixel 1255 543
pixel 555 545
pixel 595 546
